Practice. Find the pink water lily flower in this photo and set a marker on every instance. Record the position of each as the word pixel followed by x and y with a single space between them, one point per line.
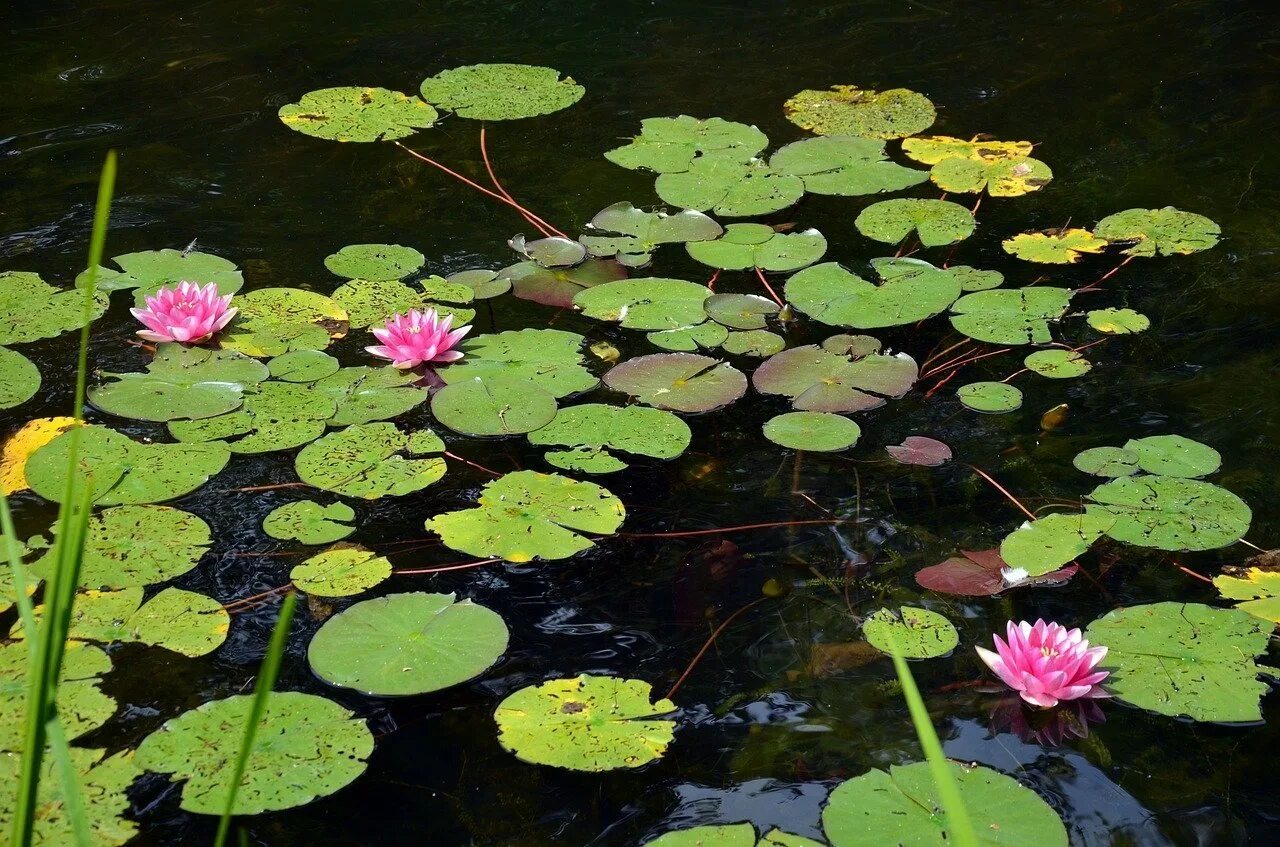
pixel 1046 663
pixel 416 338
pixel 188 314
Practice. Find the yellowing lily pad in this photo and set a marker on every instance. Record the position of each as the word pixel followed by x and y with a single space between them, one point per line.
pixel 1055 246
pixel 850 110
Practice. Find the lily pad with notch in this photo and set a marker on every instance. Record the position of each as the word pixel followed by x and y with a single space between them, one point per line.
pixel 1118 321
pixel 148 271
pixel 688 339
pixel 1057 364
pixel 741 311
pixel 819 380
pixel 672 145
pixel 185 622
pixel 343 570
pixel 679 382
pixel 819 432
pixel 274 321
pixel 844 165
pixel 135 546
pixel 650 303
pixel 309 522
pixel 937 223
pixel 916 633
pixel 559 286
pixel 375 262
pixel 730 187
pixel 493 405
pixel 760 343
pixel 501 92
pixel 1012 315
pixel 1170 513
pixel 372 460
pixel 630 235
pixel 991 398
pixel 1159 232
pixel 1054 246
pixel 911 290
pixel 550 359
pixel 982 573
pixel 745 246
pixel 920 450
pixel 357 113
pixel 275 416
pixel 1046 544
pixel 180 383
pixel 32 309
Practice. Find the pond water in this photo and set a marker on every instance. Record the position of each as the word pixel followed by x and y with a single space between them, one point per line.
pixel 1133 104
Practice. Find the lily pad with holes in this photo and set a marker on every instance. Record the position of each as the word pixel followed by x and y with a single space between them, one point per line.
pixel 19 378
pixel 819 380
pixel 406 644
pixel 982 573
pixel 912 290
pixel 741 311
pixel 341 571
pixel 651 303
pixel 630 235
pixel 82 706
pixel 1118 321
pixel 902 806
pixel 844 165
pixel 180 382
pixel 558 286
pixel 551 359
pixel 745 246
pixel 306 747
pixel 972 279
pixel 1010 316
pixel 585 460
pixel 356 113
pixel 182 621
pixel 303 366
pixel 1170 513
pixel 710 835
pixel 936 222
pixel 1107 461
pixel 1159 232
pixel 274 321
pixel 528 515
pixel 375 262
pixel 679 382
pixel 150 270
pixel 1046 544
pixel 32 309
pixel 309 522
pixel 932 149
pixel 501 92
pixel 916 633
pixel 370 302
pixel 275 416
pixel 1257 588
pixel 672 145
pixel 372 460
pixel 1055 246
pixel 365 394
pixel 850 110
pixel 754 342
pixel 588 723
pixel 728 186
pixel 999 177
pixel 1057 364
pixel 990 397
pixel 495 405
pixel 1174 455
pixel 1184 659
pixel 103 782
pixel 920 450
pixel 134 546
pixel 819 432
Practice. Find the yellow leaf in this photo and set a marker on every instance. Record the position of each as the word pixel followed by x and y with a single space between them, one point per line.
pixel 31 437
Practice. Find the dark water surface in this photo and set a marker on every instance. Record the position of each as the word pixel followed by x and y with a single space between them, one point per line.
pixel 1132 103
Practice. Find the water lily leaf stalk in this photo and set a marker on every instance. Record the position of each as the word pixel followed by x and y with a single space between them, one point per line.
pixel 959 824
pixel 267 674
pixel 60 590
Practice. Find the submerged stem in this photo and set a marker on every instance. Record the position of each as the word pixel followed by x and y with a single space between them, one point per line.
pixel 707 645
pixel 493 177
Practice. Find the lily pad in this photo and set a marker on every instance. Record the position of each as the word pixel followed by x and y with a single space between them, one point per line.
pixel 819 432
pixel 1159 232
pixel 364 394
pixel 912 290
pixel 849 110
pixel 1169 513
pixel 19 378
pixel 306 747
pixel 999 177
pixel 501 92
pixel 687 339
pixel 1107 461
pixel 844 165
pixel 484 284
pixel 303 366
pixel 274 321
pixel 372 460
pixel 368 302
pixel 375 262
pixel 82 706
pixel 588 723
pixel 1118 321
pixel 1257 587
pixel 679 382
pixel 551 252
pixel 1041 546
pixel 744 246
pixel 182 621
pixel 730 187
pixel 526 515
pixel 936 222
pixel 650 303
pixel 134 546
pixel 920 450
pixel 982 574
pixel 1054 246
pixel 341 571
pixel 741 311
pixel 627 429
pixel 150 270
pixel 917 633
pixel 1010 316
pixel 932 149
pixel 406 644
pixel 672 145
pixel 181 382
pixel 1174 455
pixel 32 309
pixel 558 286
pixel 754 342
pixel 1187 659
pixel 356 113
pixel 972 279
pixel 990 397
pixel 630 235
pixel 550 359
pixel 1058 364
pixel 710 835
pixel 585 460
pixel 275 416
pixel 103 781
pixel 818 380
pixel 902 806
pixel 495 405
pixel 309 522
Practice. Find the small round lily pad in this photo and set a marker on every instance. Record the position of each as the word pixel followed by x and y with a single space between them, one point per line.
pixel 1058 364
pixel 820 432
pixel 341 571
pixel 1107 461
pixel 1118 321
pixel 679 382
pixel 850 110
pixel 19 378
pixel 916 633
pixel 1174 455
pixel 501 92
pixel 355 113
pixel 309 522
pixel 1159 232
pixel 375 262
pixel 990 397
pixel 495 405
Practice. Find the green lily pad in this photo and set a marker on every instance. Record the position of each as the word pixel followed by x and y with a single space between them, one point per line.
pixel 550 359
pixel 1058 364
pixel 484 284
pixel 150 270
pixel 630 235
pixel 133 546
pixel 650 303
pixel 306 747
pixel 123 471
pixel 341 571
pixel 741 311
pixel 1010 316
pixel 849 110
pixel 990 397
pixel 1044 545
pixel 730 187
pixel 19 378
pixel 554 251
pixel 1174 455
pixel 496 405
pixel 588 723
pixel 181 382
pixel 754 342
pixel 1159 232
pixel 406 644
pixel 1107 461
pixel 936 222
pixel 369 302
pixel 1054 246
pixel 902 806
pixel 917 633
pixel 501 92
pixel 365 394
pixel 557 287
pixel 585 460
pixel 103 781
pixel 1184 659
pixel 356 113
pixel 844 165
pixel 744 246
pixel 32 309
pixel 688 339
pixel 1257 587
pixel 82 707
pixel 375 262
pixel 527 515
pixel 182 621
pixel 1118 321
pixel 820 432
pixel 274 321
pixel 309 522
pixel 627 429
pixel 275 416
pixel 972 279
pixel 912 290
pixel 819 380
pixel 1169 513
pixel 679 382
pixel 1002 176
pixel 303 366
pixel 710 835
pixel 369 461
pixel 672 145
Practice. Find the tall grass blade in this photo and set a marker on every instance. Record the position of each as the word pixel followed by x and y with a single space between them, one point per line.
pixel 267 675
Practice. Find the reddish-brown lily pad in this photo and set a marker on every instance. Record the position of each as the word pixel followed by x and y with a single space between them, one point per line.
pixel 980 573
pixel 920 450
pixel 679 382
pixel 821 380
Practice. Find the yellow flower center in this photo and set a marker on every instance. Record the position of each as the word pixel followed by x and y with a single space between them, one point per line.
pixel 1049 652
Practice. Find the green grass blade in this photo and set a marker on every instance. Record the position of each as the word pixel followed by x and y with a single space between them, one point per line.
pixel 268 672
pixel 72 796
pixel 20 579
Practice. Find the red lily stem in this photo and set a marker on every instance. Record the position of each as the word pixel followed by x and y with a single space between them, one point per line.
pixel 478 187
pixel 976 206
pixel 707 645
pixel 461 566
pixel 475 465
pixel 1014 500
pixel 957 365
pixel 769 288
pixel 1191 573
pixel 493 177
pixel 1106 276
pixel 243 601
pixel 933 357
pixel 722 529
pixel 925 374
pixel 941 383
pixel 711 283
pixel 264 487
